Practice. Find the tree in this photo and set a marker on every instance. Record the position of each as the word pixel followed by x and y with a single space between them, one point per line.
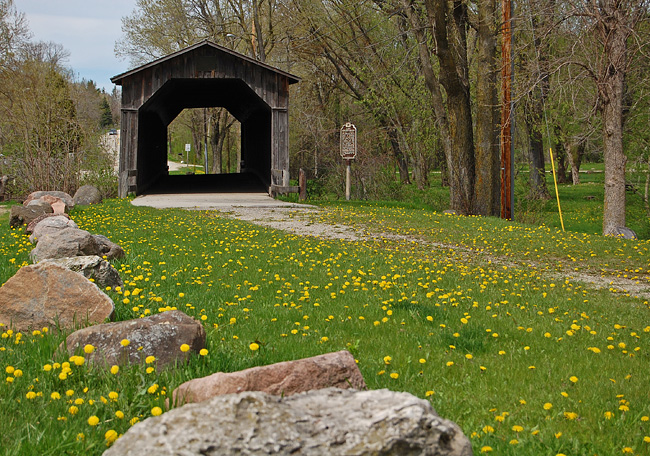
pixel 14 32
pixel 533 68
pixel 487 189
pixel 106 119
pixel 446 26
pixel 610 24
pixel 363 64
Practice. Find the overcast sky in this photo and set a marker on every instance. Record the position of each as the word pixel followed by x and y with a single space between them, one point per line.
pixel 87 29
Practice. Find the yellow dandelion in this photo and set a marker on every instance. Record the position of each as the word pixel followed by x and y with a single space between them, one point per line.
pixel 110 436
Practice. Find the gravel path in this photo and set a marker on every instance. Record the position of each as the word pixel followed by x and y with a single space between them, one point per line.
pixel 304 221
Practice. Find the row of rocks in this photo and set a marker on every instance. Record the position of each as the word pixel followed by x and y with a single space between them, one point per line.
pixel 41 203
pixel 57 293
pixel 293 407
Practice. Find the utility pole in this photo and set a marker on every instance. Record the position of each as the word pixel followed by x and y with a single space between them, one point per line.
pixel 507 145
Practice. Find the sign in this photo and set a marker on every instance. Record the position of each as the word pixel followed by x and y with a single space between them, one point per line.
pixel 349 141
pixel 187 148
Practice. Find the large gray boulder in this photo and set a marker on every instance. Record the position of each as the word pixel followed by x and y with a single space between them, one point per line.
pixel 160 335
pixel 320 422
pixel 49 225
pixel 39 203
pixel 91 267
pixel 70 242
pixel 47 295
pixel 24 215
pixel 108 248
pixel 337 369
pixel 87 194
pixel 67 199
pixel 29 229
pixel 64 243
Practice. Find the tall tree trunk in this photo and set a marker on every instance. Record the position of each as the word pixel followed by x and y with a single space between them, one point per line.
pixel 537 165
pixel 216 144
pixel 615 160
pixel 560 163
pixel 614 28
pixel 646 193
pixel 487 191
pixel 461 163
pixel 448 24
pixel 575 153
pixel 398 153
pixel 535 104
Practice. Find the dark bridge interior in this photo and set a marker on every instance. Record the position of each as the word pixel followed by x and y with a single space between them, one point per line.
pixel 232 94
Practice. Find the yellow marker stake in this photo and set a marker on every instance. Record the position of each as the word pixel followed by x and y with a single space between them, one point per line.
pixel 557 195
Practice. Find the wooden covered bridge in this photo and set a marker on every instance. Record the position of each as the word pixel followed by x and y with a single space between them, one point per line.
pixel 200 76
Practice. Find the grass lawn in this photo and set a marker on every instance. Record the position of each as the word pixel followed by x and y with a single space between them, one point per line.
pixel 490 327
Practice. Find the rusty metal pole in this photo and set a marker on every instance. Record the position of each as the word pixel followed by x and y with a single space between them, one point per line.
pixel 507 162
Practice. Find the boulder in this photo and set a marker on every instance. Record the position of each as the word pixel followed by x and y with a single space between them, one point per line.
pixel 86 195
pixel 22 215
pixel 39 203
pixel 64 243
pixel 70 242
pixel 48 295
pixel 67 199
pixel 59 207
pixel 108 248
pixel 51 223
pixel 29 229
pixel 159 335
pixel 322 422
pixel 287 378
pixel 91 267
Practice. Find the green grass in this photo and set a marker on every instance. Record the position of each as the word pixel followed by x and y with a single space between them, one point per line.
pixel 581 205
pixel 488 335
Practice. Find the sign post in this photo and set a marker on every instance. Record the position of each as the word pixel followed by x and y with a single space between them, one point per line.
pixel 348 152
pixel 187 154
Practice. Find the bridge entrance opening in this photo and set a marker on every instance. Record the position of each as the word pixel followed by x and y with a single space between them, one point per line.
pixel 205 81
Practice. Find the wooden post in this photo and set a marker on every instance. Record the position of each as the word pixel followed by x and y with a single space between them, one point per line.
pixel 348 178
pixel 506 112
pixel 302 183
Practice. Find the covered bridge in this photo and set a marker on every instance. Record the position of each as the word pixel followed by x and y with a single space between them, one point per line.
pixel 200 76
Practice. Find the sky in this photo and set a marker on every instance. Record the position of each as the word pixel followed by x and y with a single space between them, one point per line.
pixel 87 29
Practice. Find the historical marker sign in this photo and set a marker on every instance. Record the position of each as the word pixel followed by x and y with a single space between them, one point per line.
pixel 349 141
